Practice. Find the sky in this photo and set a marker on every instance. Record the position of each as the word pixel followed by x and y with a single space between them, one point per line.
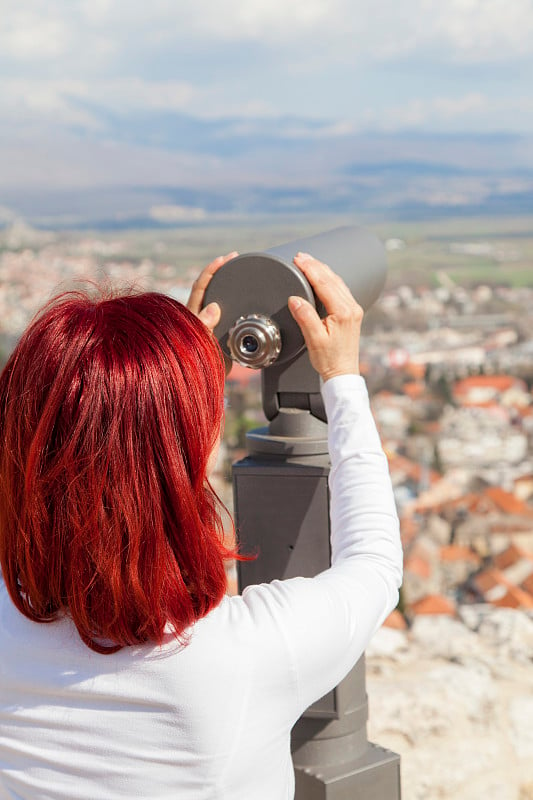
pixel 386 64
pixel 180 79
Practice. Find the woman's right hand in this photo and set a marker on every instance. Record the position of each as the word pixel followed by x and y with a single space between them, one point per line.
pixel 333 342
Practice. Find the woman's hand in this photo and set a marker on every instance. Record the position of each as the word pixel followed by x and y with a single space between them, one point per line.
pixel 210 315
pixel 333 342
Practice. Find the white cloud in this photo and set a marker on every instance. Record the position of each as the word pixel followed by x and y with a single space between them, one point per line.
pixel 136 93
pixel 466 30
pixel 483 29
pixel 436 112
pixel 473 111
pixel 449 108
pixel 29 34
pixel 455 30
pixel 68 100
pixel 107 49
pixel 233 20
pixel 25 101
pixel 51 33
pixel 82 103
pixel 328 131
pixel 353 30
pixel 275 20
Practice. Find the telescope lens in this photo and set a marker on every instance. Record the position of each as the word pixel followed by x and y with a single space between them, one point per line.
pixel 249 344
pixel 254 341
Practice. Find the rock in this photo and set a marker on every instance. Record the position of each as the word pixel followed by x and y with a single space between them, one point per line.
pixel 444 637
pixel 489 787
pixel 450 772
pixel 472 615
pixel 509 630
pixel 469 690
pixel 436 703
pixel 521 718
pixel 388 643
pixel 455 700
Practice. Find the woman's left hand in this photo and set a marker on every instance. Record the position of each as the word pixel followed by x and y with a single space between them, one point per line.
pixel 210 315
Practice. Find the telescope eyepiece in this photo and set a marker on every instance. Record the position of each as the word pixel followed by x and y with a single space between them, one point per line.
pixel 249 344
pixel 254 341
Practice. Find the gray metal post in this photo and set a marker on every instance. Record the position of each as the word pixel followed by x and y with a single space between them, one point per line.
pixel 282 511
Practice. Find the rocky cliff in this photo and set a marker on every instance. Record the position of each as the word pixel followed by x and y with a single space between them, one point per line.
pixel 454 697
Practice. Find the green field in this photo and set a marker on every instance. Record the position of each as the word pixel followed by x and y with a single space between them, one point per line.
pixel 469 251
pixel 430 247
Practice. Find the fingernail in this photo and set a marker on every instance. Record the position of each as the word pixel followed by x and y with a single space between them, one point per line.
pixel 304 256
pixel 295 302
pixel 211 310
pixel 232 254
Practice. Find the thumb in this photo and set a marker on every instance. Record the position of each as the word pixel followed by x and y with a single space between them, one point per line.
pixel 210 315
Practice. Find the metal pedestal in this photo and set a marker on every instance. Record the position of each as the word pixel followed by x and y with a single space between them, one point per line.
pixel 282 512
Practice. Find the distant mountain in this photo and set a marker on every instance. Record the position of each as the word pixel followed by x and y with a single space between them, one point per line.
pixel 169 168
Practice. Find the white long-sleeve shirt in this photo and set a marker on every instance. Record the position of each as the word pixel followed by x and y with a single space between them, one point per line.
pixel 210 720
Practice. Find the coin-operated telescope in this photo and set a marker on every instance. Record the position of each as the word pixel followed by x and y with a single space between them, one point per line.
pixel 281 494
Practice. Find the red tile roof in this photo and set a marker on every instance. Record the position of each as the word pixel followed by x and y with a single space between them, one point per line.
pixel 414 389
pixel 507 502
pixel 415 370
pixel 432 427
pixel 514 598
pixel 396 620
pixel 493 499
pixel 510 556
pixel 433 604
pixel 527 585
pixel 510 596
pixel 456 552
pixel 487 579
pixel 524 478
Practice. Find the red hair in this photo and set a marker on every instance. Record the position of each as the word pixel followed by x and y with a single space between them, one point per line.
pixel 109 410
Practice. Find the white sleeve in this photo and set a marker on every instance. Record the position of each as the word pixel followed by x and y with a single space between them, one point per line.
pixel 327 621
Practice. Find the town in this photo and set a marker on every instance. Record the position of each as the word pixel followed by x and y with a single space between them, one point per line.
pixel 449 368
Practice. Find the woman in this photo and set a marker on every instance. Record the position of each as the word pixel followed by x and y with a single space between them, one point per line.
pixel 148 681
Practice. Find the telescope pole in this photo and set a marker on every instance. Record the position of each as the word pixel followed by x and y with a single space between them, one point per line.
pixel 282 508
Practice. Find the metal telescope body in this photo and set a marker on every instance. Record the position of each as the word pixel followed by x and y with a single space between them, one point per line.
pixel 281 495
